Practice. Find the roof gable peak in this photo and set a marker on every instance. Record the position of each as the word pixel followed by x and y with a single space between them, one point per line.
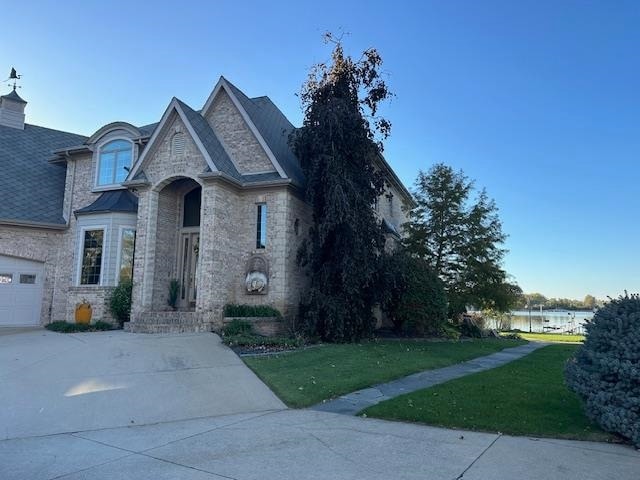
pixel 177 106
pixel 234 93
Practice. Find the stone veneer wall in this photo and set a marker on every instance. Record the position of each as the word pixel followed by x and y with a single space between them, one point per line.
pixel 159 207
pixel 81 172
pixel 97 297
pixel 166 245
pixel 36 244
pixel 141 295
pixel 220 249
pixel 59 249
pixel 227 241
pixel 275 251
pixel 234 133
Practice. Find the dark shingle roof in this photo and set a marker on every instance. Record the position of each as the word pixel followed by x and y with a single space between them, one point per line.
pixel 275 128
pixel 32 188
pixel 112 201
pixel 147 130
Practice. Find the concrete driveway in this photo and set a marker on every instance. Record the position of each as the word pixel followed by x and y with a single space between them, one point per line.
pixel 306 444
pixel 150 407
pixel 53 383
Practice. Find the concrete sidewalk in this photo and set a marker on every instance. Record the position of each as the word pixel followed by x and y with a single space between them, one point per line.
pixel 58 383
pixel 304 444
pixel 352 403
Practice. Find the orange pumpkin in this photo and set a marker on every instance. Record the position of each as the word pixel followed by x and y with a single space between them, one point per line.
pixel 83 313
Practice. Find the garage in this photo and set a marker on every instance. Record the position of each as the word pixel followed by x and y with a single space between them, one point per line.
pixel 21 283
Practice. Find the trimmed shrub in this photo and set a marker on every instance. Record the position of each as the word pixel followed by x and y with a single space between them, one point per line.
pixel 237 327
pixel 412 295
pixel 255 341
pixel 233 310
pixel 66 327
pixel 605 371
pixel 120 302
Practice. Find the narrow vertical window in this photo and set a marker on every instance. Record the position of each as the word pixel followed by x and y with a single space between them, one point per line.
pixel 127 245
pixel 261 226
pixel 91 257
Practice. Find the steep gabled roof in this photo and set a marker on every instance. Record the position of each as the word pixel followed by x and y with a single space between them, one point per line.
pixel 275 129
pixel 32 187
pixel 186 114
pixel 211 142
pixel 270 118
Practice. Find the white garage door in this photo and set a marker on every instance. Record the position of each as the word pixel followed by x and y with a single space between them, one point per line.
pixel 20 291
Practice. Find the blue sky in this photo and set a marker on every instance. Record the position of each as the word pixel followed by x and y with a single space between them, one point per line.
pixel 538 101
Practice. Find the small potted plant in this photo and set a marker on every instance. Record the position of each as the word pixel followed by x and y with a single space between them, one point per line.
pixel 174 289
pixel 83 312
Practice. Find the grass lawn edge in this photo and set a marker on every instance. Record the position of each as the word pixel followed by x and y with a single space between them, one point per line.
pixel 307 377
pixel 404 408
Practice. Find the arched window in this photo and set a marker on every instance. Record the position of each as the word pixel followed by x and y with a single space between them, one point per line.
pixel 114 162
pixel 177 143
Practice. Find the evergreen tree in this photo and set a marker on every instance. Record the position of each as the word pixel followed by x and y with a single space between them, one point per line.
pixel 338 146
pixel 461 239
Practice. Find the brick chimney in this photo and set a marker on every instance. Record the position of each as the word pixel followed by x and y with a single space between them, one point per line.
pixel 12 110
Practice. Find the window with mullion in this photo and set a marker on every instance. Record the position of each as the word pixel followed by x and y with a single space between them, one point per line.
pixel 114 162
pixel 92 244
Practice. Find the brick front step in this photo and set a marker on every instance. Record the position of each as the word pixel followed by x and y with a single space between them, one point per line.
pixel 168 322
pixel 139 327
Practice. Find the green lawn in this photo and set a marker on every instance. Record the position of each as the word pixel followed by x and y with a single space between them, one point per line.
pixel 524 397
pixel 309 376
pixel 552 337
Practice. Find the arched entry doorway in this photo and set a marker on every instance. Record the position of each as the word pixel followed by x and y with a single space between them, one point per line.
pixel 175 252
pixel 189 248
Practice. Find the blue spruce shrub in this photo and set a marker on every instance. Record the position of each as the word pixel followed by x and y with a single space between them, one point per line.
pixel 605 371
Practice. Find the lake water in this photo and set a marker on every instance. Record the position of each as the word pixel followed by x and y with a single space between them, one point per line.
pixel 550 321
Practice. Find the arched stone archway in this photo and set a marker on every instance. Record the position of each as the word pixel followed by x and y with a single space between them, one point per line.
pixel 176 244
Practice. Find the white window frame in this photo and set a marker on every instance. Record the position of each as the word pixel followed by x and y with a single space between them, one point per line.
pixel 106 141
pixel 121 229
pixel 105 241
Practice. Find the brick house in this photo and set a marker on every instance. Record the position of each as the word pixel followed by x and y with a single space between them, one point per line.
pixel 213 198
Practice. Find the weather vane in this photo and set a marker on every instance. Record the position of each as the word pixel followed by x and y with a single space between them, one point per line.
pixel 15 77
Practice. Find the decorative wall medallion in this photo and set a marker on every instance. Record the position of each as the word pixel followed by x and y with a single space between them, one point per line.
pixel 257 277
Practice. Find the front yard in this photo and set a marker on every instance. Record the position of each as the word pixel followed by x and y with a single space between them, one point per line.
pixel 307 377
pixel 525 397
